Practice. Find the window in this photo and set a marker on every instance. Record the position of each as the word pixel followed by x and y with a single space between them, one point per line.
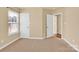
pixel 13 18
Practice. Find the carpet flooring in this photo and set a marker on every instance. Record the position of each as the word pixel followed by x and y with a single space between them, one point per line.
pixel 36 45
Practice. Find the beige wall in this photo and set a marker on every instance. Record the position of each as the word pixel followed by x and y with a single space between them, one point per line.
pixel 35 21
pixel 38 20
pixel 71 25
pixel 4 28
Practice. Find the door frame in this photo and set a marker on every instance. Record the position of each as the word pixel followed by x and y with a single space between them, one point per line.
pixel 62 20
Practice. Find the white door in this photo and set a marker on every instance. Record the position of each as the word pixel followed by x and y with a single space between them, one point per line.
pixel 24 25
pixel 54 24
pixel 49 25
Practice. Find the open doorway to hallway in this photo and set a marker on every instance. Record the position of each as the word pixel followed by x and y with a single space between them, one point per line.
pixel 59 25
pixel 54 25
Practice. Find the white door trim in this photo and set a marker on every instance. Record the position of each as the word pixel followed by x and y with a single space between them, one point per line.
pixel 62 19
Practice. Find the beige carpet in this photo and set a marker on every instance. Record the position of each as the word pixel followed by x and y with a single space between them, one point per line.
pixel 36 45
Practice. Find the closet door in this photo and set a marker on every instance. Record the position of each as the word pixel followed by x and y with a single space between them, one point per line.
pixel 49 25
pixel 24 25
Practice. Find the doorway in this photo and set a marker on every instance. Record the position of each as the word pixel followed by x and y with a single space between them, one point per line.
pixel 24 25
pixel 59 25
pixel 51 25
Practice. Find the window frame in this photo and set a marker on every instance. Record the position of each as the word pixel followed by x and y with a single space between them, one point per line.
pixel 16 14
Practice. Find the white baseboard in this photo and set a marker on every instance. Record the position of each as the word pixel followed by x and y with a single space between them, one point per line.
pixel 9 43
pixel 73 46
pixel 36 38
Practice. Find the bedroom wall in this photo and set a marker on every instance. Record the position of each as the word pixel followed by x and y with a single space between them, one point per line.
pixel 71 25
pixel 4 38
pixel 35 21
